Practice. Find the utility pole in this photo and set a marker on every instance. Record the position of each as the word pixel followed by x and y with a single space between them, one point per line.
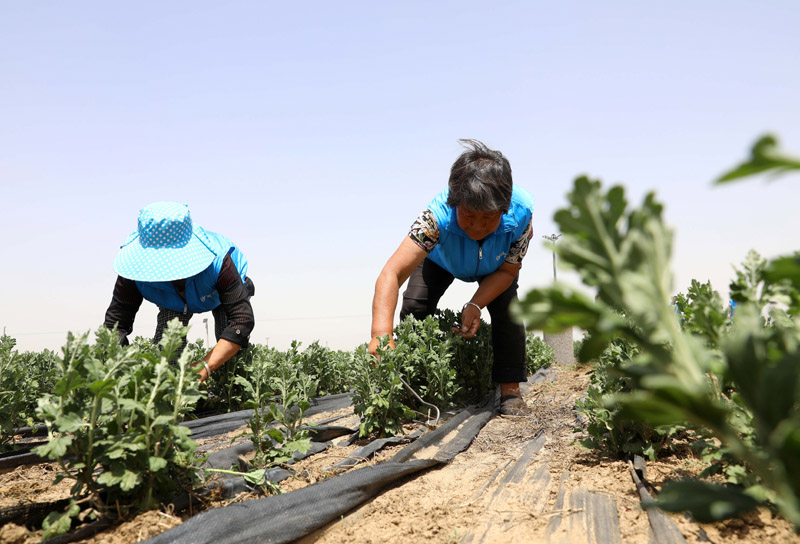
pixel 205 322
pixel 553 238
pixel 561 342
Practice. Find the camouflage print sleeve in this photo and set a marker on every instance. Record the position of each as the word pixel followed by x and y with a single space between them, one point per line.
pixel 425 232
pixel 520 246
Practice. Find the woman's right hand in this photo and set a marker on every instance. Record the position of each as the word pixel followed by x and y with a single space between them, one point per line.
pixel 376 341
pixel 395 272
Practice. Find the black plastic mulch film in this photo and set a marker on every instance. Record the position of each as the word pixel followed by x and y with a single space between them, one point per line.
pixel 223 423
pixel 287 517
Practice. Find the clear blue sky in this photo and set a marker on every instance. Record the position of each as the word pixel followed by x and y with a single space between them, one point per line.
pixel 313 133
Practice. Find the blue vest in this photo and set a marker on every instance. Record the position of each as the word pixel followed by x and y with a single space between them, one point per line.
pixel 201 289
pixel 462 256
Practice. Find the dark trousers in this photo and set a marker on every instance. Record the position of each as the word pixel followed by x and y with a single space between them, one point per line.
pixel 166 315
pixel 426 286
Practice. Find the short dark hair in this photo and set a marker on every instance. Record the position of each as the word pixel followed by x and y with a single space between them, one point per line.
pixel 480 179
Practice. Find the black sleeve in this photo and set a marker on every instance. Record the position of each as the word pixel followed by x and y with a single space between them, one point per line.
pixel 235 298
pixel 125 303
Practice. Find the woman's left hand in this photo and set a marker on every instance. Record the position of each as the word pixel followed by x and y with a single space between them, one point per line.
pixel 470 321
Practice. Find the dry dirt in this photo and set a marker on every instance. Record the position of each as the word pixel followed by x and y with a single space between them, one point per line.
pixel 468 500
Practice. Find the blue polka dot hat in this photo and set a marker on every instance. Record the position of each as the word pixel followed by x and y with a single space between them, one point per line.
pixel 167 245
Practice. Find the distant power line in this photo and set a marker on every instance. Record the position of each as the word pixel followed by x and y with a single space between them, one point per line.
pixel 37 333
pixel 311 317
pixel 258 319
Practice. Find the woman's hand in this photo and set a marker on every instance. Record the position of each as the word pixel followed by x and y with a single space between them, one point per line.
pixel 202 369
pixel 470 320
pixel 218 356
pixel 489 289
pixel 376 341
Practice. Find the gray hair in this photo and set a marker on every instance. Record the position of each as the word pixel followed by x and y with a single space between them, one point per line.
pixel 480 179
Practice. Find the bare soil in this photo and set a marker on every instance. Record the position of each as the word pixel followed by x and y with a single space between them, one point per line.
pixel 469 500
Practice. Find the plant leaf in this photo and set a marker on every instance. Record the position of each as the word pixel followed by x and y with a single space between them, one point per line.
pixel 763 158
pixel 706 502
pixel 157 463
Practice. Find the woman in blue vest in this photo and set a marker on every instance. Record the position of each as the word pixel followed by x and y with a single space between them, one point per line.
pixel 184 270
pixel 477 230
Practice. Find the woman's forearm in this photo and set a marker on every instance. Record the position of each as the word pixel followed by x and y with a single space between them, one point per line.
pixel 493 285
pixel 384 304
pixel 394 274
pixel 218 356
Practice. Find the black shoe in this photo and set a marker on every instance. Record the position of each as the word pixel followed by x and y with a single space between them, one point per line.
pixel 512 405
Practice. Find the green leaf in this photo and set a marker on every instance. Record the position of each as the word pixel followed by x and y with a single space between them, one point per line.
pixel 763 158
pixel 58 523
pixel 130 480
pixel 706 502
pixel 139 445
pixel 784 268
pixel 300 446
pixel 280 457
pixel 554 310
pixel 654 411
pixel 69 423
pixel 162 420
pixel 157 463
pixel 132 405
pixel 116 453
pixel 102 388
pixel 71 381
pixel 240 380
pixel 55 447
pixel 255 477
pixel 111 477
pixel 276 435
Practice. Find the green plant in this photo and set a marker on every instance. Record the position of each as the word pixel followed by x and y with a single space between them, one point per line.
pixel 294 392
pixel 538 354
pixel 342 363
pixel 471 357
pixel 146 346
pixel 113 424
pixel 607 429
pixel 701 312
pixel 258 393
pixel 225 391
pixel 676 378
pixel 292 375
pixel 15 393
pixel 378 396
pixel 24 377
pixel 276 424
pixel 426 365
pixel 331 369
pixel 577 346
pixel 442 367
pixel 764 158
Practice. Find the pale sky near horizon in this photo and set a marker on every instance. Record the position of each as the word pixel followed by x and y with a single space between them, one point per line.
pixel 312 134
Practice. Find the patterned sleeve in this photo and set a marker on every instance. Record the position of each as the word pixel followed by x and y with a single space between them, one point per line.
pixel 425 232
pixel 520 247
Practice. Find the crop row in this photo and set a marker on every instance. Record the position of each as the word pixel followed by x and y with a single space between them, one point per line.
pixel 113 413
